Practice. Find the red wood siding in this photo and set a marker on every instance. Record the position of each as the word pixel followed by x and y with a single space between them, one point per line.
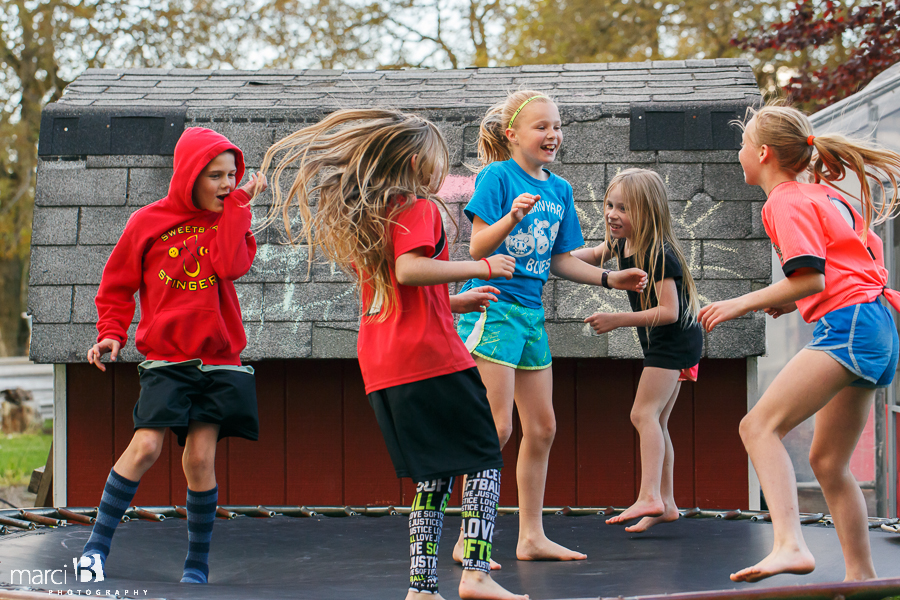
pixel 320 445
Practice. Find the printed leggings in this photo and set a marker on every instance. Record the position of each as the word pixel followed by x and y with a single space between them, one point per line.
pixel 426 519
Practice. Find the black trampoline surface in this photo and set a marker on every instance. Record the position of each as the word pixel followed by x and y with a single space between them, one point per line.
pixel 325 558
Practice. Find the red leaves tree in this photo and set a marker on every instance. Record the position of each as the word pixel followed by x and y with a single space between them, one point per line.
pixel 834 48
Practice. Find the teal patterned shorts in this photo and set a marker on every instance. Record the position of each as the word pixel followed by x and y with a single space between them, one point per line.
pixel 508 334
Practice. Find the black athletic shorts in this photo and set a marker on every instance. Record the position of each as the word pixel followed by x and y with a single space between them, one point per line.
pixel 172 396
pixel 438 427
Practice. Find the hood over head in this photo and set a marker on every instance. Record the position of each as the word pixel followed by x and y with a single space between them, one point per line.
pixel 196 148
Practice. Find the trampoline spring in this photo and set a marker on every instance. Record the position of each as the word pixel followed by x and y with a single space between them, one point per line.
pixel 810 519
pixel 40 519
pixel 609 511
pixel 890 528
pixel 761 517
pixel 578 512
pixel 139 513
pixel 350 512
pixel 690 512
pixel 330 511
pixel 180 511
pixel 224 514
pixel 378 511
pixel 294 511
pixel 4 530
pixel 74 517
pixel 729 515
pixel 507 510
pixel 17 523
pixel 258 512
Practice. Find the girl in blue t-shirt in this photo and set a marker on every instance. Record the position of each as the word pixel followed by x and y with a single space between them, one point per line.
pixel 524 211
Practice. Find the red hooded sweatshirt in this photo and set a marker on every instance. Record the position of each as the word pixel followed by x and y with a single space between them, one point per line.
pixel 183 260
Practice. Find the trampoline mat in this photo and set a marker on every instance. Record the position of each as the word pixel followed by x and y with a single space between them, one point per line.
pixel 325 558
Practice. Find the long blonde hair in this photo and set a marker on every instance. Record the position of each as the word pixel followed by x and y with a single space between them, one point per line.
pixel 647 207
pixel 493 144
pixel 787 131
pixel 355 167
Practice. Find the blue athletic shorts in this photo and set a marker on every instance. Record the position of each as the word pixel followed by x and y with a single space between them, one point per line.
pixel 863 338
pixel 509 334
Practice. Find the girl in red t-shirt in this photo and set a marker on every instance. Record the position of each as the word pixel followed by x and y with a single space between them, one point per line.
pixel 373 177
pixel 834 275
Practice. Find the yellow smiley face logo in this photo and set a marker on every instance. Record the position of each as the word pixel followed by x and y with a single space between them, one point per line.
pixel 173 252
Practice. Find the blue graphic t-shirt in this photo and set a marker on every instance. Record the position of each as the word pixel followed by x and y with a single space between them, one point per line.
pixel 550 228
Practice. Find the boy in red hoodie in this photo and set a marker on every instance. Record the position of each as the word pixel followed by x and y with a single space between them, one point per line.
pixel 182 254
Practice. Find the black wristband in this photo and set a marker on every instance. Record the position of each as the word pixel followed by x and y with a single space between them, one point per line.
pixel 604 280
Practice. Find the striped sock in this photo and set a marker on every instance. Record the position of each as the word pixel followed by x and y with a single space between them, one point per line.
pixel 201 514
pixel 117 496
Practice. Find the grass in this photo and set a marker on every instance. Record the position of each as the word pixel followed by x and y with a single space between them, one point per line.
pixel 20 454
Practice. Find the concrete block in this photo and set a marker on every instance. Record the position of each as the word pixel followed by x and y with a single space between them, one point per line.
pixel 588 181
pixel 701 217
pixel 310 302
pixel 548 298
pixel 736 259
pixel 103 225
pixel 757 230
pixel 54 226
pixel 252 138
pixel 277 340
pixel 275 262
pixel 699 156
pixel 624 343
pixel 575 340
pixel 714 290
pixel 591 219
pixel 260 232
pixel 601 141
pixel 148 185
pixel 50 303
pixel 61 265
pixel 324 271
pixel 70 183
pixel 683 180
pixel 335 340
pixel 84 310
pixel 726 182
pixel 250 297
pixel 57 343
pixel 576 301
pixel 453 135
pixel 130 162
pixel 738 338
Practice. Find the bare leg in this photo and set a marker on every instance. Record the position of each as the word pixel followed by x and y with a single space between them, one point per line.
pixel 199 459
pixel 804 386
pixel 838 427
pixel 500 383
pixel 534 398
pixel 667 485
pixel 141 453
pixel 654 393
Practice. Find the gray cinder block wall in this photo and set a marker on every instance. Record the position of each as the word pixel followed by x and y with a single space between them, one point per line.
pixel 106 150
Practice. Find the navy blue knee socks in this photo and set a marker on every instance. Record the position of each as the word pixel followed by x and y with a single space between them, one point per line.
pixel 201 514
pixel 117 496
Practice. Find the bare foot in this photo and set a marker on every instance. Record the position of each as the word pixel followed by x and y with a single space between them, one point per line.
pixel 476 584
pixel 544 549
pixel 641 508
pixel 458 554
pixel 798 561
pixel 670 514
pixel 423 596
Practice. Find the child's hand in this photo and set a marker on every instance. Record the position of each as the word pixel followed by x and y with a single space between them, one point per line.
pixel 522 205
pixel 777 311
pixel 476 299
pixel 631 280
pixel 257 178
pixel 720 312
pixel 102 347
pixel 502 265
pixel 602 322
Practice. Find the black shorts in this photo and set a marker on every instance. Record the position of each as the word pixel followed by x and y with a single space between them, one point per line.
pixel 172 396
pixel 438 427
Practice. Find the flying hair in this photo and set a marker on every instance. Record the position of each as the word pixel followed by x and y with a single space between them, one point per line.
pixel 493 144
pixel 355 174
pixel 647 207
pixel 828 157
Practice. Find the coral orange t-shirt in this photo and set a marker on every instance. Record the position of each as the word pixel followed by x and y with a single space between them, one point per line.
pixel 418 341
pixel 812 225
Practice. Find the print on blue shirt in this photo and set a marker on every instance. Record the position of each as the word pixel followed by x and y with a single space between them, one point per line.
pixel 550 228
